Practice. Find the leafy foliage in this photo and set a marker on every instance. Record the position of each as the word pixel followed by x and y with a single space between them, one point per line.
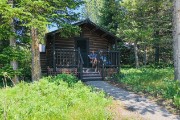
pixel 70 79
pixel 109 15
pixel 147 23
pixel 47 100
pixel 92 10
pixel 158 82
pixel 21 54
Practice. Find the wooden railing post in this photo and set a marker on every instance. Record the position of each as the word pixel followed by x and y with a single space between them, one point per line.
pixel 119 60
pixel 81 71
pixel 98 61
pixel 103 71
pixel 81 63
pixel 54 55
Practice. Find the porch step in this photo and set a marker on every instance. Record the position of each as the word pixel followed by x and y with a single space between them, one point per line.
pixel 90 74
pixel 92 79
pixel 93 73
pixel 89 70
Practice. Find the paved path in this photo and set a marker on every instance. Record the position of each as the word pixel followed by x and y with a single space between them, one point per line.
pixel 133 102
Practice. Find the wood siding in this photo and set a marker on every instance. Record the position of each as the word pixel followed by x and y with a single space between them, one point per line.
pixel 64 43
pixel 96 42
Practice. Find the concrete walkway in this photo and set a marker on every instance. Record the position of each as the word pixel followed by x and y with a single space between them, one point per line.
pixel 133 102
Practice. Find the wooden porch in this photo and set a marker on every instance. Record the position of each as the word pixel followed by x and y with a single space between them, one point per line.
pixel 70 61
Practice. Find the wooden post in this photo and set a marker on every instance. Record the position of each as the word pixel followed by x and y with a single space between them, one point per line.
pixel 54 54
pixel 81 63
pixel 119 60
pixel 103 71
pixel 117 56
pixel 46 50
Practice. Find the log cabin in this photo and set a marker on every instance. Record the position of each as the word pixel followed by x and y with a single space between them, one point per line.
pixel 70 55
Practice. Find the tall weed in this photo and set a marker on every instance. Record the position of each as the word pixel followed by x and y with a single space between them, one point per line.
pixel 46 100
pixel 70 79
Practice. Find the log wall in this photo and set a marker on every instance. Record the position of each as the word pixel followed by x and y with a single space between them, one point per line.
pixel 96 42
pixel 64 43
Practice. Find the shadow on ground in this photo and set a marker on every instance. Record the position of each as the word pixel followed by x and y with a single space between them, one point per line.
pixel 134 102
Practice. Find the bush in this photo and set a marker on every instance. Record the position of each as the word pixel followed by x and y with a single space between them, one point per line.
pixel 154 81
pixel 46 100
pixel 70 79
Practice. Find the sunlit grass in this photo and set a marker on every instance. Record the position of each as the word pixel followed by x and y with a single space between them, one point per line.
pixel 153 81
pixel 53 99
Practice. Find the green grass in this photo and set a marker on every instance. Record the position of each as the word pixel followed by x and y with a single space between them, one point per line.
pixel 59 98
pixel 158 82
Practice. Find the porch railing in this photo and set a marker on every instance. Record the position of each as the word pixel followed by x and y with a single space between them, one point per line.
pixel 108 59
pixel 71 59
pixel 64 58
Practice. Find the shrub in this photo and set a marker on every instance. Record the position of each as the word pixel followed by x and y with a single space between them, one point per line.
pixel 70 79
pixel 46 100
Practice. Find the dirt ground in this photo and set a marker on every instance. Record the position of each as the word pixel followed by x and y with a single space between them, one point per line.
pixel 119 112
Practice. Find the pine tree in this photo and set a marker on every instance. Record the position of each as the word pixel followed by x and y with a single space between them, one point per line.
pixel 92 10
pixel 109 14
pixel 35 16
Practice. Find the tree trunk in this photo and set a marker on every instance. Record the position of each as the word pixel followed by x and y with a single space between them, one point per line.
pixel 136 55
pixel 156 33
pixel 176 39
pixel 36 67
pixel 14 63
pixel 12 41
pixel 157 53
pixel 156 45
pixel 145 55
